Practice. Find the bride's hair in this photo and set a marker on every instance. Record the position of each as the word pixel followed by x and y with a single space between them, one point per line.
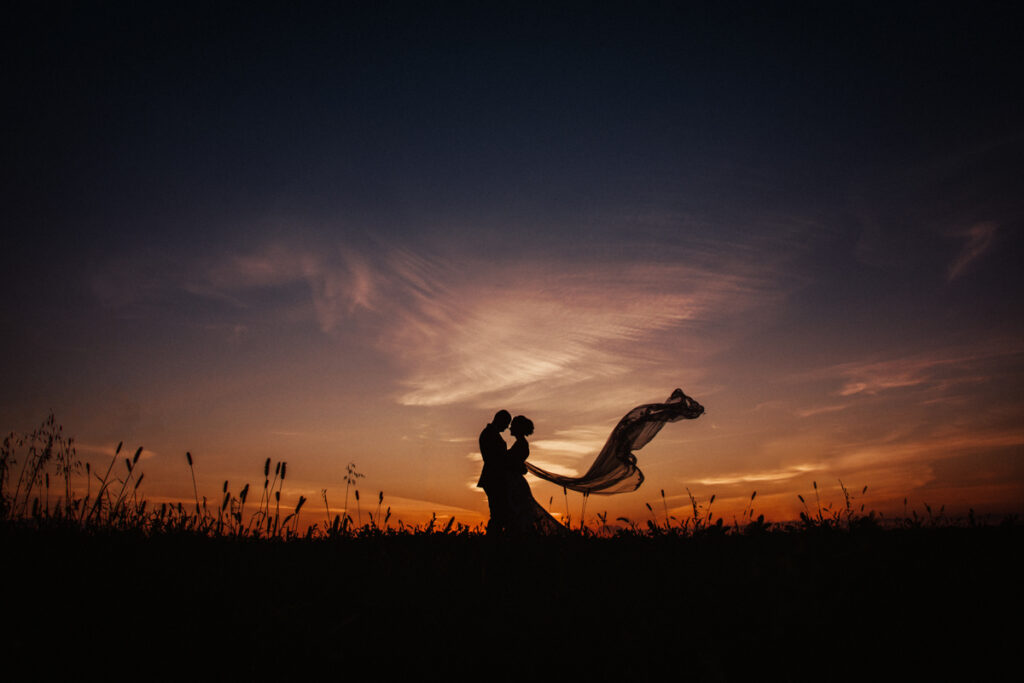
pixel 521 425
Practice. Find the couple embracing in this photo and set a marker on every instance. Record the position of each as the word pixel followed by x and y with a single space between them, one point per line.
pixel 512 506
pixel 513 509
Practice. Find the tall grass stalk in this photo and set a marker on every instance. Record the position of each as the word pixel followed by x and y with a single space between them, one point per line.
pixel 351 477
pixel 195 489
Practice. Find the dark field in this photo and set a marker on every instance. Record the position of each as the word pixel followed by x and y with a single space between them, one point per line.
pixel 799 604
pixel 108 586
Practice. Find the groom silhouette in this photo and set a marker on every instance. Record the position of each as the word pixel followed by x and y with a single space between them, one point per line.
pixel 493 477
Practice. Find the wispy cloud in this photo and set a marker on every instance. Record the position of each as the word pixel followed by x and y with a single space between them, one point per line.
pixel 566 446
pixel 761 475
pixel 555 467
pixel 340 281
pixel 810 412
pixel 337 282
pixel 87 449
pixel 978 239
pixel 469 328
pixel 459 324
pixel 937 368
pixel 931 448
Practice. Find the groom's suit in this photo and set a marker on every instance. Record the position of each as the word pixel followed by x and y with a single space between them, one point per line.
pixel 493 478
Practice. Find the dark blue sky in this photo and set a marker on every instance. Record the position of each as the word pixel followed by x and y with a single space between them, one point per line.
pixel 127 122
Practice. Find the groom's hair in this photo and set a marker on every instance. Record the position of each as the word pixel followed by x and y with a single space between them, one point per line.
pixel 502 416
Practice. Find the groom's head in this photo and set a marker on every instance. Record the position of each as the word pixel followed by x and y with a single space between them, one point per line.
pixel 501 420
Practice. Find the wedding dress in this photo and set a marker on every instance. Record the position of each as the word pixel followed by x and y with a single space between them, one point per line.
pixel 615 470
pixel 527 516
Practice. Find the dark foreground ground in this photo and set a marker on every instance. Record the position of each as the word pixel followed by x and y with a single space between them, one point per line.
pixel 913 604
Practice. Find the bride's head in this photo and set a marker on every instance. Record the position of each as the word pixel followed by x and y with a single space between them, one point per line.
pixel 521 426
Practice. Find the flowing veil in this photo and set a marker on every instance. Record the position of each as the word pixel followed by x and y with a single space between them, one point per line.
pixel 615 470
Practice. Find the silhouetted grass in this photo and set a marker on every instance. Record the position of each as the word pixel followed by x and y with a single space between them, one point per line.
pixel 117 504
pixel 104 581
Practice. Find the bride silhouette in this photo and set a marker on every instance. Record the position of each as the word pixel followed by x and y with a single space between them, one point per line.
pixel 526 516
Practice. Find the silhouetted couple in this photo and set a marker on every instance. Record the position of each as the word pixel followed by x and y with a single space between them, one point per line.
pixel 513 508
pixel 615 470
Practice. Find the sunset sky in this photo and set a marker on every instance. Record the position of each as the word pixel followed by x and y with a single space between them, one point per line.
pixel 326 236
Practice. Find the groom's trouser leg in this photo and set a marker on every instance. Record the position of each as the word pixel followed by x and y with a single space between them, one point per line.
pixel 498 505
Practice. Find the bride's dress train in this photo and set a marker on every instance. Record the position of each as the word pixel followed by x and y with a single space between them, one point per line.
pixel 615 470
